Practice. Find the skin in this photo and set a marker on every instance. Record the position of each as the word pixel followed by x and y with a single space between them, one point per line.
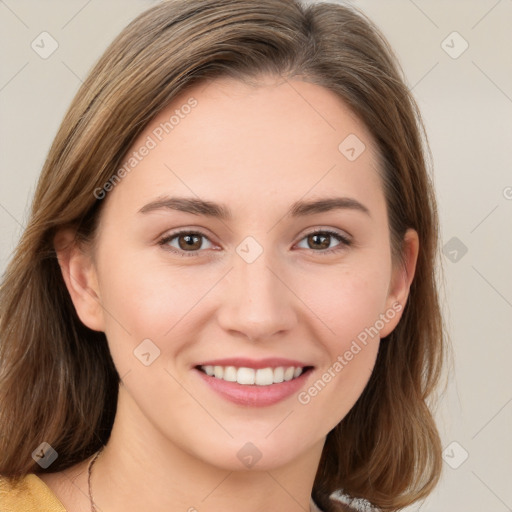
pixel 257 149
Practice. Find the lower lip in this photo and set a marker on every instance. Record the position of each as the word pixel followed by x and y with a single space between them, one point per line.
pixel 254 396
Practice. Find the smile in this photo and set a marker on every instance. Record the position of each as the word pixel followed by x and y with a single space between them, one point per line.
pixel 254 383
pixel 253 377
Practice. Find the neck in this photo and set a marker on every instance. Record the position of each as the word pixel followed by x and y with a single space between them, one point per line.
pixel 149 472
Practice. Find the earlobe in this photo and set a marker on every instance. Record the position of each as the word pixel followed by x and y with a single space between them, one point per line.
pixel 402 278
pixel 80 277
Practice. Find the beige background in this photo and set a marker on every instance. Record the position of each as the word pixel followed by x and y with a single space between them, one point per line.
pixel 467 106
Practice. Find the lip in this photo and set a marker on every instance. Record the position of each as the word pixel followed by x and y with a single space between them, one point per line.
pixel 256 364
pixel 253 395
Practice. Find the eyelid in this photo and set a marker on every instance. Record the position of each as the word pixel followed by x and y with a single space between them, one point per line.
pixel 327 229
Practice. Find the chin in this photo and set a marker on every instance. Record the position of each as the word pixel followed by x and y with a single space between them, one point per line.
pixel 253 453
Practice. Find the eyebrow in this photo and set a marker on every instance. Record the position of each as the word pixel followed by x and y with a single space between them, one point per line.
pixel 197 206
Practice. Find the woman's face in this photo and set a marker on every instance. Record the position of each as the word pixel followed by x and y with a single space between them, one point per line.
pixel 250 234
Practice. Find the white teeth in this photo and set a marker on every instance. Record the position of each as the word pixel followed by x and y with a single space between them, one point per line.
pixel 245 376
pixel 279 374
pixel 218 371
pixel 264 377
pixel 230 374
pixel 208 370
pixel 288 374
pixel 250 376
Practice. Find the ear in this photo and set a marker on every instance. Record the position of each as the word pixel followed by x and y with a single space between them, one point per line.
pixel 401 280
pixel 80 276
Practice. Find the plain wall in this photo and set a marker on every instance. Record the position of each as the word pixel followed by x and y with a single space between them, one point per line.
pixel 467 107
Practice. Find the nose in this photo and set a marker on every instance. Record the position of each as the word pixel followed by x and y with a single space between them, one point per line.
pixel 256 300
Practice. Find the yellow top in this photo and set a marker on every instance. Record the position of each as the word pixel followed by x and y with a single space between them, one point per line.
pixel 30 495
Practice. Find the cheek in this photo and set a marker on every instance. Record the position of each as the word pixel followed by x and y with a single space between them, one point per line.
pixel 348 302
pixel 147 299
pixel 349 307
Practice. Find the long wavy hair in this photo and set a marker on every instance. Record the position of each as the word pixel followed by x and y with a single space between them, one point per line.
pixel 58 382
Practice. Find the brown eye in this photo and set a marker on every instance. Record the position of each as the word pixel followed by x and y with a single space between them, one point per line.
pixel 320 241
pixel 189 243
pixel 192 242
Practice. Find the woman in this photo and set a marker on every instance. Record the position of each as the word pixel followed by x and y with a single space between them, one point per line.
pixel 225 298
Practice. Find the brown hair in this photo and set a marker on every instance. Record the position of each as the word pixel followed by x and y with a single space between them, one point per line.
pixel 57 380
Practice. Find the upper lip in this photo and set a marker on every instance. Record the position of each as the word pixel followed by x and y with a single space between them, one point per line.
pixel 243 362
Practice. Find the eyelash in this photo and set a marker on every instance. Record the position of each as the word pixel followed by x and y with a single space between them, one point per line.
pixel 345 242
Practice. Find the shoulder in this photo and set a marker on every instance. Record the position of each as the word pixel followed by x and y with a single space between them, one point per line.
pixel 27 494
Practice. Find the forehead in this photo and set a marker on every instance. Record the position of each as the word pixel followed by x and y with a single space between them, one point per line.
pixel 250 145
